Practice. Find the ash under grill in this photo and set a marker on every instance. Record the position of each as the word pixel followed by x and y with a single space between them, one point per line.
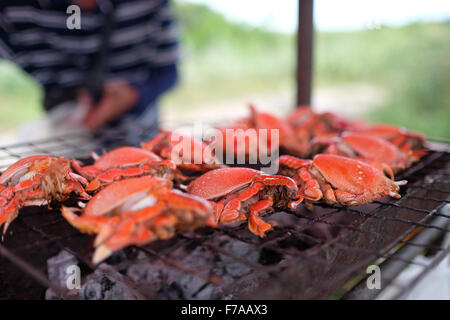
pixel 315 254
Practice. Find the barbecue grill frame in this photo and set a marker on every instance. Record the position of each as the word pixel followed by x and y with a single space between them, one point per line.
pixel 113 138
pixel 396 266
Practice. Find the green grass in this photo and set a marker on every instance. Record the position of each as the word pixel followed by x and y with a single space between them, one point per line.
pixel 20 97
pixel 411 62
pixel 227 61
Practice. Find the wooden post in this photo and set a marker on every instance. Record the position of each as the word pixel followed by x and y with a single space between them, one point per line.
pixel 304 51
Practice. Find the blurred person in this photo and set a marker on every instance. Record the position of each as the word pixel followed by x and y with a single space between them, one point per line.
pixel 109 71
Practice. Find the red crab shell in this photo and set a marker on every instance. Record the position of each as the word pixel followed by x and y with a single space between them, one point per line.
pixel 243 193
pixel 391 132
pixel 123 163
pixel 346 174
pixel 116 194
pixel 308 124
pixel 138 211
pixel 218 183
pixel 20 167
pixel 288 141
pixel 376 149
pixel 192 156
pixel 371 149
pixel 124 156
pixel 339 179
pixel 37 180
pixel 299 115
pixel 410 142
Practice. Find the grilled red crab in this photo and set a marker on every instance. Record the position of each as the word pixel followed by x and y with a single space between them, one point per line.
pixel 241 191
pixel 37 180
pixel 238 140
pixel 365 147
pixel 410 142
pixel 262 121
pixel 123 163
pixel 288 140
pixel 338 179
pixel 308 124
pixel 137 211
pixel 187 152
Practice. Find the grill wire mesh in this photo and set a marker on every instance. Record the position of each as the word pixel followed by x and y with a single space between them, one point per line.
pixel 319 254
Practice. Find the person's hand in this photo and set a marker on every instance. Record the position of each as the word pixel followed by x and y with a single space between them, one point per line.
pixel 118 98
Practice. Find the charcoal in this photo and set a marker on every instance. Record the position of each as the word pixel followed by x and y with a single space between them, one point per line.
pixel 157 274
pixel 188 279
pixel 56 269
pixel 100 286
pixel 172 291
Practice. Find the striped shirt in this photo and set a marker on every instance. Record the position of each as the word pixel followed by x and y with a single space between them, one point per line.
pixel 143 43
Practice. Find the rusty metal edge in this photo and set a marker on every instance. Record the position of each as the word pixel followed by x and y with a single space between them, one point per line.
pixel 393 267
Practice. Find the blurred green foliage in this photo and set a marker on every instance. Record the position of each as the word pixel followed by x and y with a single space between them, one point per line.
pixel 224 60
pixel 411 62
pixel 20 97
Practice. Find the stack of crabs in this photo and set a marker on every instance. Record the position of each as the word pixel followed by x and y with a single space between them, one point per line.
pixel 132 196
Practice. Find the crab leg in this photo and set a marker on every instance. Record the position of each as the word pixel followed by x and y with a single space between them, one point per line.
pixel 86 223
pixel 159 221
pixel 186 209
pixel 112 175
pixel 158 139
pixel 231 211
pixel 309 187
pixel 268 180
pixel 255 223
pixel 130 230
pixel 9 207
pixel 115 174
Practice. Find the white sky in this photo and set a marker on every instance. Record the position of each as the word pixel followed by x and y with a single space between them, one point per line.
pixel 281 15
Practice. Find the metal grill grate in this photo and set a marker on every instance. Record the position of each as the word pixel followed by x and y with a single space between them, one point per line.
pixel 79 144
pixel 317 254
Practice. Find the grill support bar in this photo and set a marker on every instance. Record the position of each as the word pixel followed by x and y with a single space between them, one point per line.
pixel 33 272
pixel 391 268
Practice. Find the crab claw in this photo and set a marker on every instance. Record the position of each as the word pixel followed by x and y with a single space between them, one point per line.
pixel 101 253
pixel 88 223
